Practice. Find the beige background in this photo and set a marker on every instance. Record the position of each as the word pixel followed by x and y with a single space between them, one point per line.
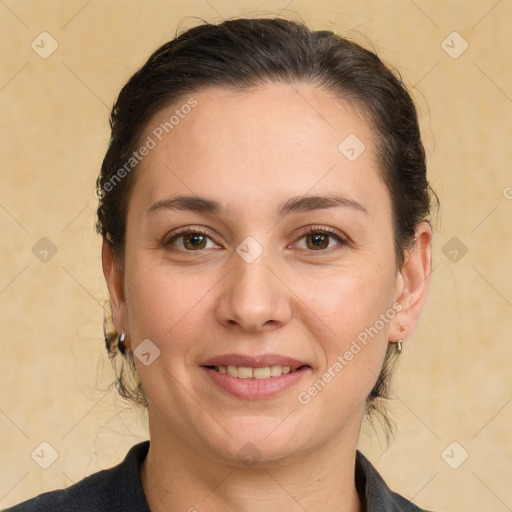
pixel 454 382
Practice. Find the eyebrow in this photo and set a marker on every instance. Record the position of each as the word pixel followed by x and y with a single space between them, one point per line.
pixel 297 204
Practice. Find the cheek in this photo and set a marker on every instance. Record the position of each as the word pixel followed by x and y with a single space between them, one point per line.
pixel 163 302
pixel 356 309
pixel 352 339
pixel 351 303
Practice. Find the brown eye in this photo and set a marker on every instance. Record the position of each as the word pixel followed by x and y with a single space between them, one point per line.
pixel 190 240
pixel 320 239
pixel 317 241
pixel 194 241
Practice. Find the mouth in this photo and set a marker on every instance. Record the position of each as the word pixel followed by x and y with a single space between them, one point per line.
pixel 255 377
pixel 260 372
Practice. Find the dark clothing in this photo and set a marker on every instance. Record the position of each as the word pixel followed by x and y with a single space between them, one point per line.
pixel 120 489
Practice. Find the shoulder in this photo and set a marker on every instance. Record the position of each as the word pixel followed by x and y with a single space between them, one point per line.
pixel 117 488
pixel 377 496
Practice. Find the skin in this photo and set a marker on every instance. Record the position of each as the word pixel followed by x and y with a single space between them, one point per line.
pixel 252 151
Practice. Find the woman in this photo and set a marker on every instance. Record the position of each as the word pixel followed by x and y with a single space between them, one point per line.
pixel 264 211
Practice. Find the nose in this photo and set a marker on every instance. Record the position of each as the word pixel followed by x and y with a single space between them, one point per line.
pixel 253 298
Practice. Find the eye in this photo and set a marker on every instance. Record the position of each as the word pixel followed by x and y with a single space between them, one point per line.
pixel 320 239
pixel 190 239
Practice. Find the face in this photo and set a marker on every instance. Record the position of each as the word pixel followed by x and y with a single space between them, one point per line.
pixel 253 241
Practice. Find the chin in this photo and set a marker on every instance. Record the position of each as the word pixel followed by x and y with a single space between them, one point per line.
pixel 260 444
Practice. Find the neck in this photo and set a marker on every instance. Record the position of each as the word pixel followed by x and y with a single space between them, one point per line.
pixel 178 477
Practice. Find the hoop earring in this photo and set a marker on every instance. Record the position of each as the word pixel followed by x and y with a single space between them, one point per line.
pixel 399 346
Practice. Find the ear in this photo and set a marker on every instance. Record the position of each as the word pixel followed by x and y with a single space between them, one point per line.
pixel 412 284
pixel 114 277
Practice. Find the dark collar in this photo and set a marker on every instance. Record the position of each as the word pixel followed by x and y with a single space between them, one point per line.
pixel 374 493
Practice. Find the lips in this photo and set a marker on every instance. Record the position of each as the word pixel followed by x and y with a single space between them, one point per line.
pixel 254 377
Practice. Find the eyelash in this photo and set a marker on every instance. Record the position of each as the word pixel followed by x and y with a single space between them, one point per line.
pixel 310 231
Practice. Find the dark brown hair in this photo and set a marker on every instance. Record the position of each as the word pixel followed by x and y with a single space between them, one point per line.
pixel 244 53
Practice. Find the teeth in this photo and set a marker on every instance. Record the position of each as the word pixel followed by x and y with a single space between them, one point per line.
pixel 232 371
pixel 261 373
pixel 245 372
pixel 275 371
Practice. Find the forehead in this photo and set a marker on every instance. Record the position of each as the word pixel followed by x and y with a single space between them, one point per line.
pixel 272 114
pixel 274 137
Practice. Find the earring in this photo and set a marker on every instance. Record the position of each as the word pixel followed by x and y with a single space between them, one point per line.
pixel 399 346
pixel 120 343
